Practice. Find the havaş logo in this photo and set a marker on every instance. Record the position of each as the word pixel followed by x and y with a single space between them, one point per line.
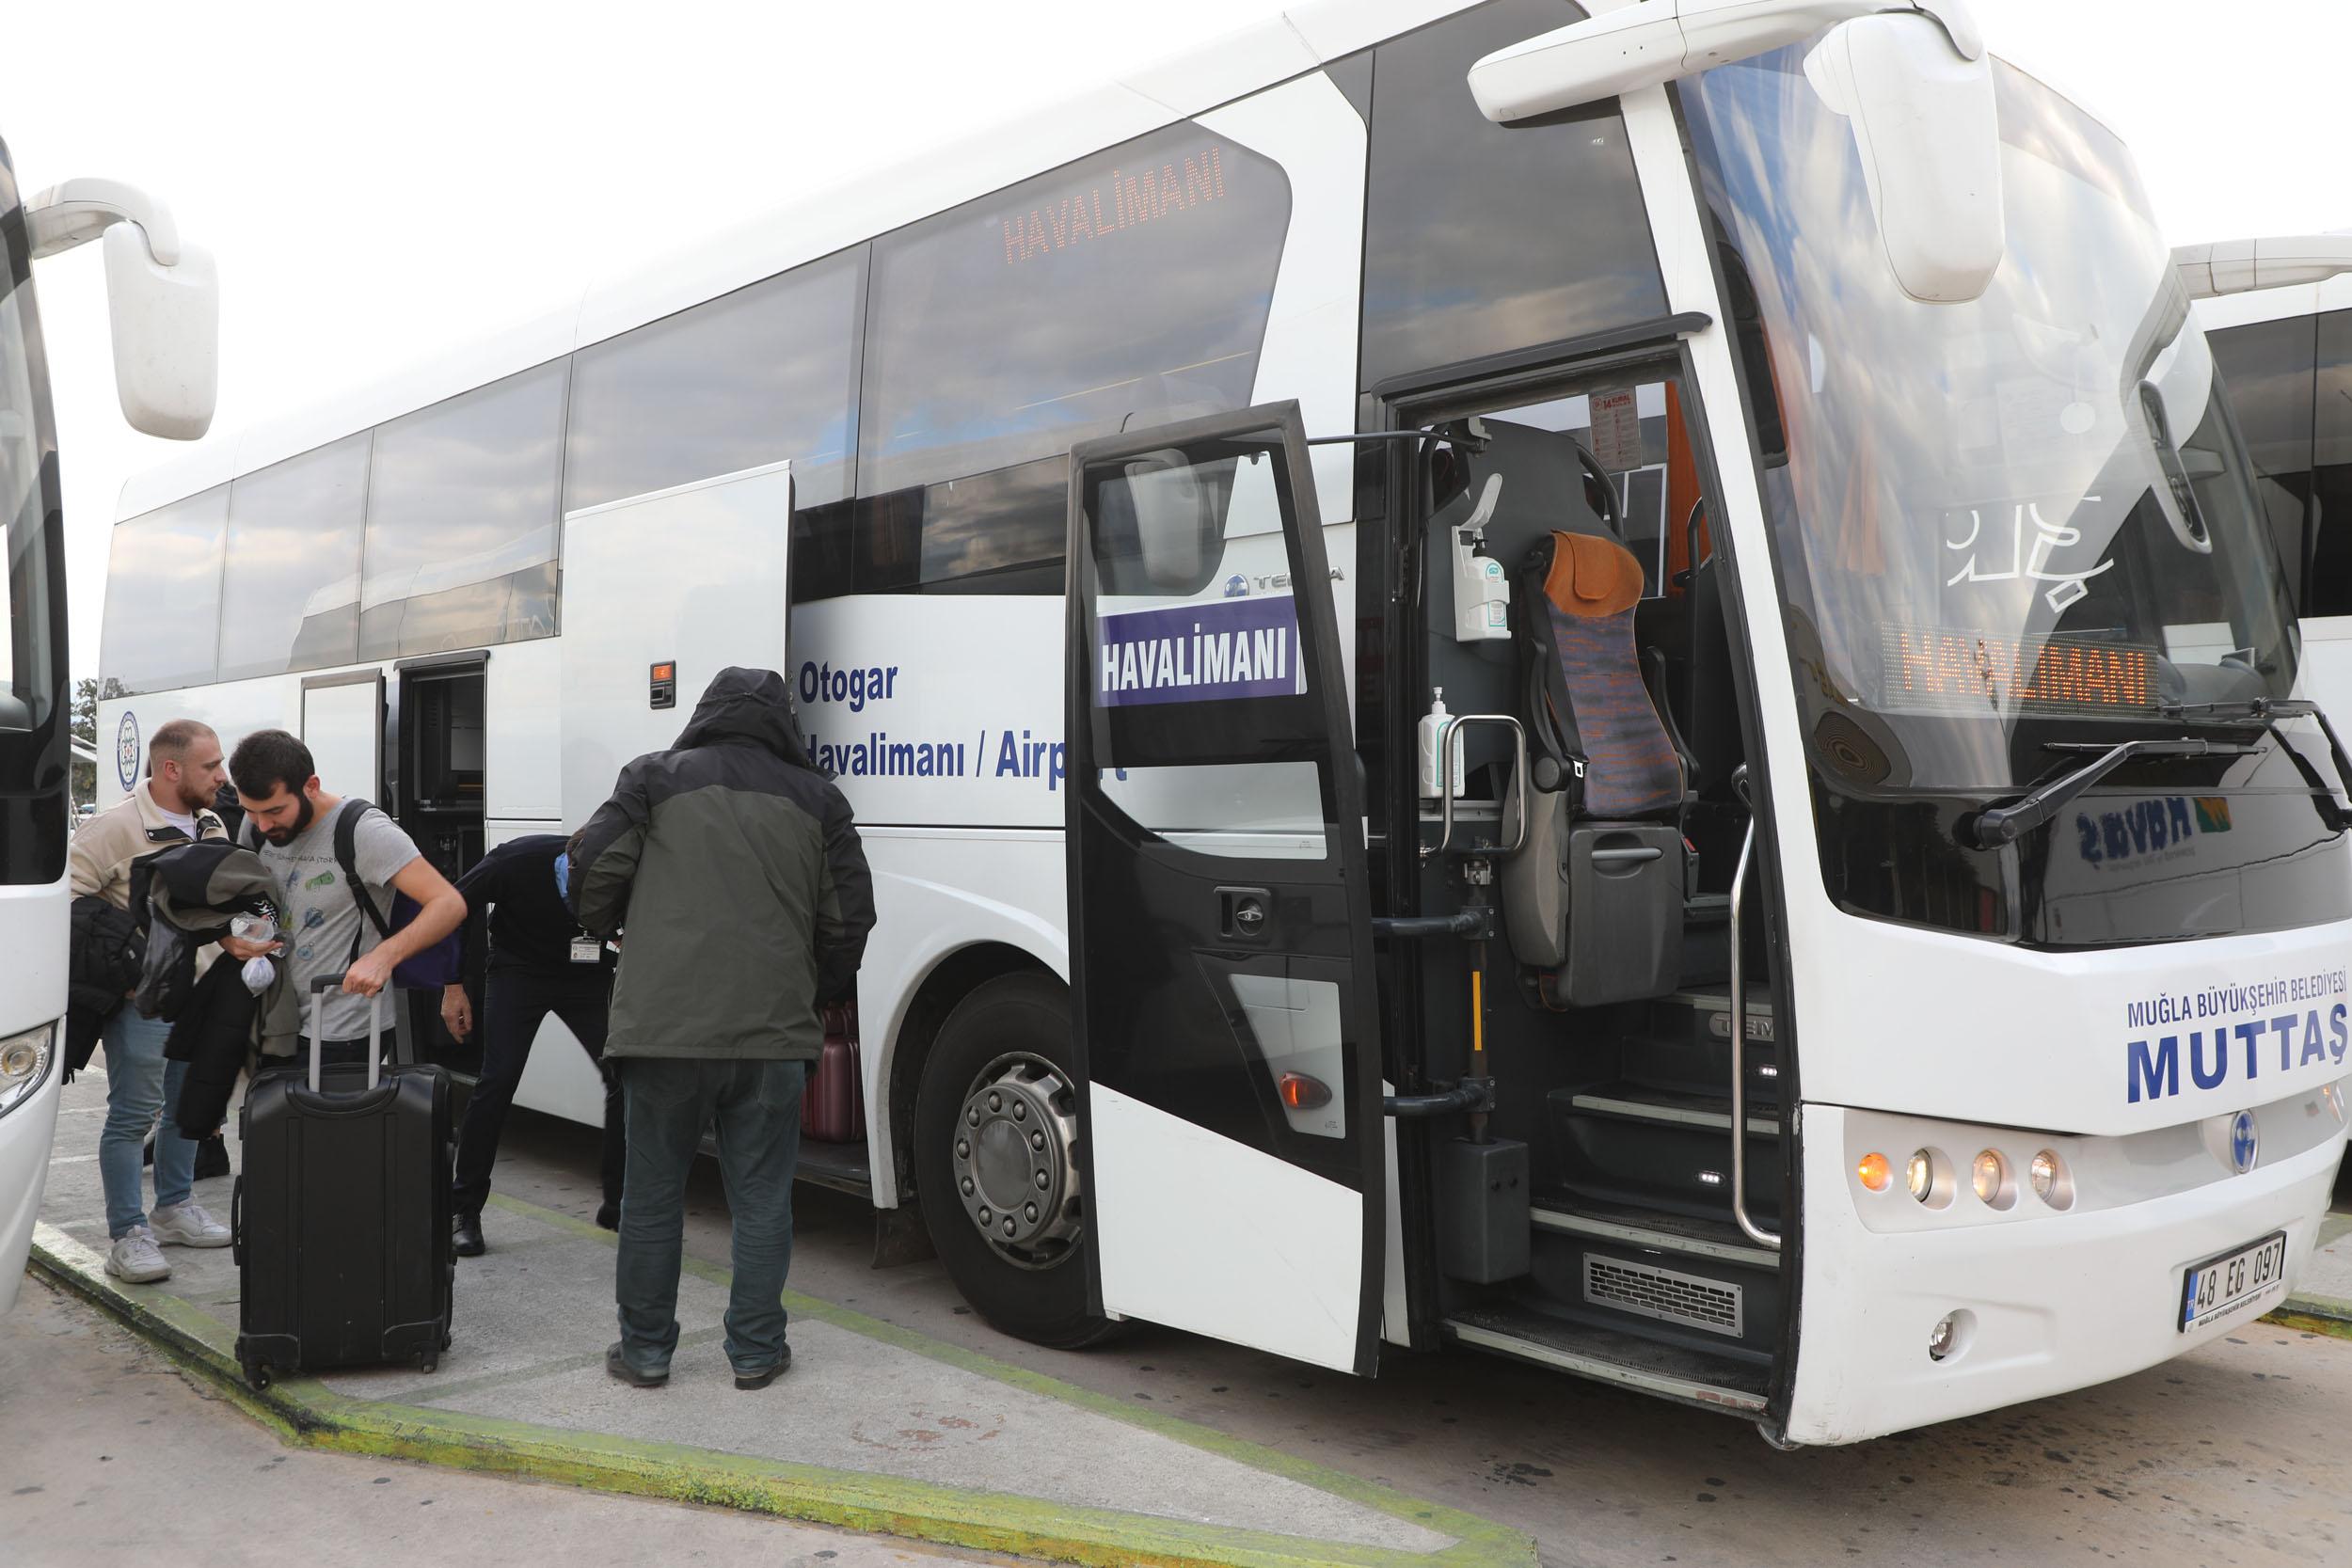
pixel 2149 827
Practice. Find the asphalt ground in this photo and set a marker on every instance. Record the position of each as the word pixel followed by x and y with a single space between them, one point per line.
pixel 876 1427
pixel 115 1454
pixel 2227 1455
pixel 2232 1455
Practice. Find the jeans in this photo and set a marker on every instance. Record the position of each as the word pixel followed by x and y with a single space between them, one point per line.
pixel 753 1107
pixel 141 1086
pixel 517 1000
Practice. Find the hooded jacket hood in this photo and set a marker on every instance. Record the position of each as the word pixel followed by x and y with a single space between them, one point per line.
pixel 752 707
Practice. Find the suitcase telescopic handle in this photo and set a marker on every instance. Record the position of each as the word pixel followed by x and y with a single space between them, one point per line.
pixel 319 987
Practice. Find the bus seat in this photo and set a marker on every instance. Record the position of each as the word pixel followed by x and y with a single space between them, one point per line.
pixel 1588 589
pixel 1593 899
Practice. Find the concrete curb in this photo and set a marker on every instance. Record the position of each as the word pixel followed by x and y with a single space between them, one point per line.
pixel 2330 1315
pixel 305 1412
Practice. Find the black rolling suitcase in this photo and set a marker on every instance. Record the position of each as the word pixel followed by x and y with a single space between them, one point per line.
pixel 340 1214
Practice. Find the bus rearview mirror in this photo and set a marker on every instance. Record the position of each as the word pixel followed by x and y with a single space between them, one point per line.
pixel 1929 141
pixel 166 325
pixel 1912 78
pixel 163 299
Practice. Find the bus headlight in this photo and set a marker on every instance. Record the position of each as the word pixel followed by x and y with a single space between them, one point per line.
pixel 2051 1184
pixel 24 1062
pixel 1919 1175
pixel 1929 1178
pixel 1990 1177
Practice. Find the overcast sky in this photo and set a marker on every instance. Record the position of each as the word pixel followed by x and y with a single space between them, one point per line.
pixel 383 182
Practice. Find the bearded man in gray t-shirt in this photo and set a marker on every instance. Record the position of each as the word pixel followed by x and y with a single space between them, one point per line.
pixel 326 933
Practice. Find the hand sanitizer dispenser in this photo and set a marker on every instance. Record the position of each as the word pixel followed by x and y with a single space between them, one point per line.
pixel 1435 725
pixel 1481 592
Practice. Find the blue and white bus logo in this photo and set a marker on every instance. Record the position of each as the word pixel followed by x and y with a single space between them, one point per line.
pixel 1237 587
pixel 127 749
pixel 2245 1146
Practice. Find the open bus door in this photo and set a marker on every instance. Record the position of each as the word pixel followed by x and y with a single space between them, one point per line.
pixel 1222 992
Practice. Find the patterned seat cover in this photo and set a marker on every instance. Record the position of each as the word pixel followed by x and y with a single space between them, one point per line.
pixel 1632 767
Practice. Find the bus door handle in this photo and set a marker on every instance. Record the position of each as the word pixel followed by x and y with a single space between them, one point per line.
pixel 1243 913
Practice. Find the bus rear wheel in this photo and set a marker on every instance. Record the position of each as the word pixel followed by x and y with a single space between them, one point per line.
pixel 995 1138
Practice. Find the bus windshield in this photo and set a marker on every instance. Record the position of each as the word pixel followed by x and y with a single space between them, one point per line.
pixel 28 635
pixel 1995 524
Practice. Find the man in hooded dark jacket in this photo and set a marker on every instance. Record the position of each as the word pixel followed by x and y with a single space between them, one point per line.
pixel 735 867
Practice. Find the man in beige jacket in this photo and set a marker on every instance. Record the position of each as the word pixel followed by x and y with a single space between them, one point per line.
pixel 172 806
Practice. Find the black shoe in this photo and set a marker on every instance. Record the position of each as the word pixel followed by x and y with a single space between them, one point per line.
pixel 766 1375
pixel 630 1376
pixel 608 1217
pixel 465 1236
pixel 211 1158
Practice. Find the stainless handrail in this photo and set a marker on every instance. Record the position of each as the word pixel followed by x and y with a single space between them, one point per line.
pixel 1519 778
pixel 1739 1058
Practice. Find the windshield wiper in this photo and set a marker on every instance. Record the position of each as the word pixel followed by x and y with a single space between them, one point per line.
pixel 2005 824
pixel 2267 711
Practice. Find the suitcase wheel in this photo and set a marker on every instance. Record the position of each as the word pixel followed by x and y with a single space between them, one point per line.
pixel 428 1360
pixel 257 1373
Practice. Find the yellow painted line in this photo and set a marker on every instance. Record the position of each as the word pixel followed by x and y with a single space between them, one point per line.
pixel 305 1412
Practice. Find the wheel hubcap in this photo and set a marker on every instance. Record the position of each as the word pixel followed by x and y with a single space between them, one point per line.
pixel 1010 1154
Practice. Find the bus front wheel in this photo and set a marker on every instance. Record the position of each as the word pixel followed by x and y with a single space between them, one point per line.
pixel 995 1138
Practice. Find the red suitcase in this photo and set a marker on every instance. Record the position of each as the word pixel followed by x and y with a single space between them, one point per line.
pixel 833 1106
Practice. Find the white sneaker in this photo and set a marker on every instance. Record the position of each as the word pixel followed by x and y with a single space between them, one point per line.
pixel 135 1257
pixel 188 1225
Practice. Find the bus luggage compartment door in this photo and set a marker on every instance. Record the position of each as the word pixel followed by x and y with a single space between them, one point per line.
pixel 1230 1132
pixel 660 592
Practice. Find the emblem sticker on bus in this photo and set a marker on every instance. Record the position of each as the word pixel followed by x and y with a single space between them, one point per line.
pixel 127 749
pixel 1213 651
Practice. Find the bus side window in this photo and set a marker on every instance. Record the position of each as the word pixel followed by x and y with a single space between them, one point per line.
pixel 1128 289
pixel 290 592
pixel 461 542
pixel 163 594
pixel 2331 582
pixel 750 378
pixel 1482 238
pixel 2268 367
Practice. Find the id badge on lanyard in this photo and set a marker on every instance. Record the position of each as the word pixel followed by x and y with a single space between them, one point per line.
pixel 587 950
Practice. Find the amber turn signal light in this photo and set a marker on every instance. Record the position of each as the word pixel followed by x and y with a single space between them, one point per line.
pixel 1302 1093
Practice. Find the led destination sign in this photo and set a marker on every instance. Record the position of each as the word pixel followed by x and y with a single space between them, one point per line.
pixel 1940 670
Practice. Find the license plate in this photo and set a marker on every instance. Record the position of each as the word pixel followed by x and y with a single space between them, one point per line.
pixel 2214 1289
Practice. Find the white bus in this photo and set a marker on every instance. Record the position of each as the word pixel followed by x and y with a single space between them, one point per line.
pixel 2277 311
pixel 2279 314
pixel 1110 487
pixel 161 298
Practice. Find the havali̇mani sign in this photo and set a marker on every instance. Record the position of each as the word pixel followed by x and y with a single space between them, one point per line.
pixel 1199 652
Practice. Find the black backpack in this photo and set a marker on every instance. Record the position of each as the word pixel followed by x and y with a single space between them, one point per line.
pixel 427 970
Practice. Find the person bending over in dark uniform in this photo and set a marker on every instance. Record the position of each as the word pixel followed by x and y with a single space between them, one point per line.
pixel 538 961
